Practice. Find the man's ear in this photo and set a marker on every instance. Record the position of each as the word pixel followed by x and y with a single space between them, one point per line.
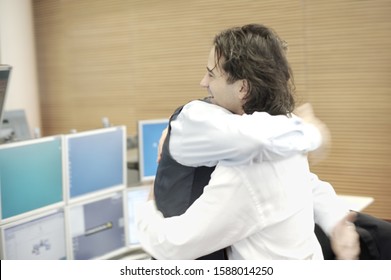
pixel 244 88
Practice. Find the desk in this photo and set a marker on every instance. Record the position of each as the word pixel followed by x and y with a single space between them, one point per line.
pixel 356 203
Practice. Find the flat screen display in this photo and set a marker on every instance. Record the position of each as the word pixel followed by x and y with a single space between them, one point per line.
pixel 31 175
pixel 149 133
pixel 136 195
pixel 41 238
pixel 96 160
pixel 97 227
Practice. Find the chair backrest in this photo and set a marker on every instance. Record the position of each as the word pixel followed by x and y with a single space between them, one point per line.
pixel 375 237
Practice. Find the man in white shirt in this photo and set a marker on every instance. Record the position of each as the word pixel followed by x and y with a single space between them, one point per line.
pixel 263 208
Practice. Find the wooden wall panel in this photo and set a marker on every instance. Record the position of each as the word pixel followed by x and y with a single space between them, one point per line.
pixel 131 60
pixel 348 55
pixel 139 59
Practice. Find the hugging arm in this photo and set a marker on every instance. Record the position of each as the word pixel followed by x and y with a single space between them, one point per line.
pixel 335 219
pixel 204 134
pixel 203 228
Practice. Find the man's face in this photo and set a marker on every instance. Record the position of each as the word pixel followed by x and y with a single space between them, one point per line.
pixel 229 96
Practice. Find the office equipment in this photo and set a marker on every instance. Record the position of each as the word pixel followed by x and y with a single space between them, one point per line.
pixel 149 133
pixel 39 237
pixel 95 161
pixel 31 177
pixel 135 196
pixel 5 71
pixel 15 126
pixel 97 227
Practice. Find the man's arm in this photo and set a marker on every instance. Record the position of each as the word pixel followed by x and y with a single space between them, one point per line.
pixel 204 134
pixel 184 237
pixel 335 219
pixel 328 208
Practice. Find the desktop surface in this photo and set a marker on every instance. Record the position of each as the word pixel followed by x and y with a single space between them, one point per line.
pixel 356 203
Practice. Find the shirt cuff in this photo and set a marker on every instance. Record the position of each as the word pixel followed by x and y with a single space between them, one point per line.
pixel 312 133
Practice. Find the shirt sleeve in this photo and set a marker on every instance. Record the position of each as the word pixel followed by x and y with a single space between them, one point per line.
pixel 198 231
pixel 328 208
pixel 204 134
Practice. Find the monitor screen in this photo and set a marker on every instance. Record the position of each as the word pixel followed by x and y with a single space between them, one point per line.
pixel 149 133
pixel 30 175
pixel 97 227
pixel 5 71
pixel 136 195
pixel 96 160
pixel 38 238
pixel 15 126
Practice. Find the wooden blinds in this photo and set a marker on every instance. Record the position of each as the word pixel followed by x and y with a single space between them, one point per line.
pixel 140 59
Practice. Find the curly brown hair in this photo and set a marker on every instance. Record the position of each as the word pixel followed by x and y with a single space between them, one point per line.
pixel 256 53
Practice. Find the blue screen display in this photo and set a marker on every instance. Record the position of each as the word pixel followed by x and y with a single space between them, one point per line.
pixel 96 161
pixel 30 175
pixel 149 136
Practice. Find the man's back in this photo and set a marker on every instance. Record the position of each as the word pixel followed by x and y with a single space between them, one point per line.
pixel 276 201
pixel 262 210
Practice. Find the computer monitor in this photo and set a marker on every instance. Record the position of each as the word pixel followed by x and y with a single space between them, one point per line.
pixel 135 196
pixel 31 177
pixel 15 126
pixel 149 133
pixel 97 227
pixel 95 161
pixel 5 71
pixel 35 238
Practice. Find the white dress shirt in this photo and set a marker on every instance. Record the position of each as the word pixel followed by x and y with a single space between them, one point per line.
pixel 204 134
pixel 262 210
